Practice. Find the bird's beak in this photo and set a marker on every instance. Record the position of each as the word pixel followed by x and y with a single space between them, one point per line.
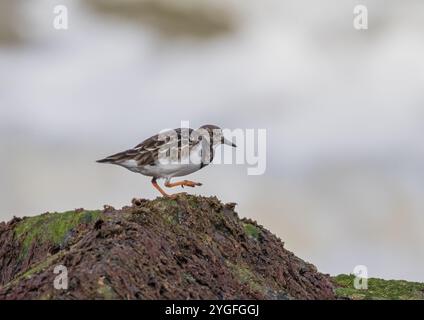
pixel 229 143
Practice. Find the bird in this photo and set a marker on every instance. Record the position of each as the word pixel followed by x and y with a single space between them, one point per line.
pixel 172 153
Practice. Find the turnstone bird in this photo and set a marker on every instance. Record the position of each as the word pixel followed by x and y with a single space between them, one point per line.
pixel 173 153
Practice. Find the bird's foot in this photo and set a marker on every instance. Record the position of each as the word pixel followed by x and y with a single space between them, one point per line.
pixel 184 183
pixel 191 184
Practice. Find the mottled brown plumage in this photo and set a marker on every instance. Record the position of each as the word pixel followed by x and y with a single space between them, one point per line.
pixel 147 152
pixel 172 153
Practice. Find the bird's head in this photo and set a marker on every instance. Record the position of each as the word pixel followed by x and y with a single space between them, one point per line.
pixel 214 134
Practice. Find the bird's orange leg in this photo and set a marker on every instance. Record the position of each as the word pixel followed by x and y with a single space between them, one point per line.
pixel 158 188
pixel 184 183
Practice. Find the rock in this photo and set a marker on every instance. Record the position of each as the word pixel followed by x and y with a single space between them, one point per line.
pixel 188 248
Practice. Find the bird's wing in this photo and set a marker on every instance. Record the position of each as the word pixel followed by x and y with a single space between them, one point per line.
pixel 167 143
pixel 147 152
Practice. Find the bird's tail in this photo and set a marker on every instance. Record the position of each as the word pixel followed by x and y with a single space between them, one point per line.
pixel 112 159
pixel 118 157
pixel 105 160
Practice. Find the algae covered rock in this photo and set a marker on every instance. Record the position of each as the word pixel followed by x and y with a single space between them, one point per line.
pixel 378 289
pixel 187 248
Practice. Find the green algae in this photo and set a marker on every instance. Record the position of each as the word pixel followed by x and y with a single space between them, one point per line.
pixel 378 289
pixel 106 291
pixel 36 268
pixel 251 230
pixel 245 276
pixel 51 227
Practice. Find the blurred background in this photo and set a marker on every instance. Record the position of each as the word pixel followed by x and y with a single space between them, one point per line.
pixel 343 110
